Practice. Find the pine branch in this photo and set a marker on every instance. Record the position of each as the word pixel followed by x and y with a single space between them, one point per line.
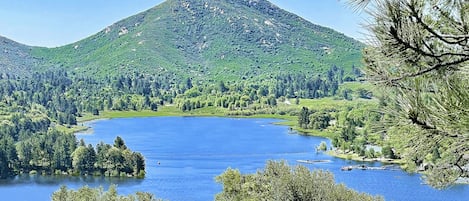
pixel 433 32
pixel 433 68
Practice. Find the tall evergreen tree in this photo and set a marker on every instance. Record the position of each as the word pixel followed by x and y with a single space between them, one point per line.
pixel 419 55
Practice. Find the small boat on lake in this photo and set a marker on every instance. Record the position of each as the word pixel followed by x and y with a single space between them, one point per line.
pixel 313 161
pixel 346 168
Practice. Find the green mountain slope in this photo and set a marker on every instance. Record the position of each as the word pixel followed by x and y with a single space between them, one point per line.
pixel 204 40
pixel 214 39
pixel 15 58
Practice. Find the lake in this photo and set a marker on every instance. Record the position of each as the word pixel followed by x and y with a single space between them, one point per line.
pixel 191 151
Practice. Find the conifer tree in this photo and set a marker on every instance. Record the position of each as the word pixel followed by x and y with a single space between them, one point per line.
pixel 418 53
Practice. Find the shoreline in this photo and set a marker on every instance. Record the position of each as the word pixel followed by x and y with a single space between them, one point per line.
pixel 356 157
pixel 88 129
pixel 169 111
pixel 288 121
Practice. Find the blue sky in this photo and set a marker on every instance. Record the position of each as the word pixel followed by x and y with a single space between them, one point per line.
pixel 53 23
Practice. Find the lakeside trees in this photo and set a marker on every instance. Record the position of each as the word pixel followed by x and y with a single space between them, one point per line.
pixel 419 54
pixel 55 152
pixel 34 108
pixel 32 112
pixel 86 194
pixel 350 127
pixel 279 181
pixel 313 119
pixel 247 97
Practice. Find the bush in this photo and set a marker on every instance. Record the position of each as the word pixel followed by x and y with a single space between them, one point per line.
pixel 388 152
pixel 87 193
pixel 370 153
pixel 279 181
pixel 322 146
pixel 141 174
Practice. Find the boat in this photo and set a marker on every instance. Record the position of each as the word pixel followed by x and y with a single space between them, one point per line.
pixel 346 168
pixel 313 161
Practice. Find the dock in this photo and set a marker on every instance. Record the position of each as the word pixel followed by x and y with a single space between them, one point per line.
pixel 364 167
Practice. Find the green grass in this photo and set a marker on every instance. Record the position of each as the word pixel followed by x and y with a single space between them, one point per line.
pixel 331 103
pixel 71 129
pixel 356 157
pixel 163 111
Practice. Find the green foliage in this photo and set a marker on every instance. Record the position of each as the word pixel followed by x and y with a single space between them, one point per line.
pixel 348 131
pixel 15 58
pixel 322 146
pixel 278 181
pixel 252 97
pixel 303 118
pixel 238 40
pixel 351 124
pixel 319 120
pixel 311 119
pixel 421 62
pixel 86 193
pixel 119 143
pixel 370 153
pixel 33 110
pixel 83 159
pixel 58 96
pixel 388 152
pixel 363 93
pixel 118 160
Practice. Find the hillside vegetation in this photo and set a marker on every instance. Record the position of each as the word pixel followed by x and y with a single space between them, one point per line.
pixel 204 40
pixel 15 58
pixel 192 57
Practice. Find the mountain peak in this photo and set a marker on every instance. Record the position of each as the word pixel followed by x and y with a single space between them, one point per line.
pixel 208 39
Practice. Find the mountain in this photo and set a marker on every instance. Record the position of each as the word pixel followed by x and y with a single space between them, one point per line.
pixel 207 39
pixel 15 58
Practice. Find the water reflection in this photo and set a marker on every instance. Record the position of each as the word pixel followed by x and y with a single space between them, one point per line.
pixel 54 180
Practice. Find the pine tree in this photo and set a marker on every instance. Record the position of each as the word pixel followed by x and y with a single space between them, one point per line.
pixel 419 55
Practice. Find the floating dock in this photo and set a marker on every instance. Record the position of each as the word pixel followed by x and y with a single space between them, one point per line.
pixel 364 167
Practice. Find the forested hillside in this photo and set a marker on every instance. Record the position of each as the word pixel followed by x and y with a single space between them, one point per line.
pixel 35 114
pixel 218 57
pixel 190 54
pixel 35 110
pixel 204 40
pixel 240 57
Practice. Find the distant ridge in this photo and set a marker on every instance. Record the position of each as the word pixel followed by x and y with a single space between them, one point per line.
pixel 201 39
pixel 15 58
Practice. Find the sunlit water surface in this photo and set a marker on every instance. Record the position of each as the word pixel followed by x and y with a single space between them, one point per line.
pixel 184 154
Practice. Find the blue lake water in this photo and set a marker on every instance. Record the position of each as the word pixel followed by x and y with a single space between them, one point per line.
pixel 191 151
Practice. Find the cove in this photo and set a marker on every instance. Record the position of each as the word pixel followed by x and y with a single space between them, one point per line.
pixel 191 151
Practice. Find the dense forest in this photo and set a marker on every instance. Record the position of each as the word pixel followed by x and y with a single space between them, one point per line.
pixel 419 115
pixel 35 113
pixel 37 110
